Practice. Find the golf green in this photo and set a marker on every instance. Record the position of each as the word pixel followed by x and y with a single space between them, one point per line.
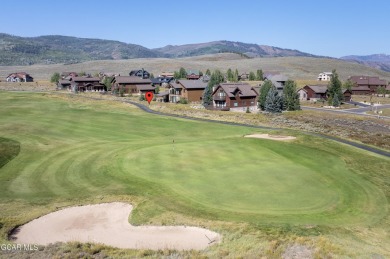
pixel 73 150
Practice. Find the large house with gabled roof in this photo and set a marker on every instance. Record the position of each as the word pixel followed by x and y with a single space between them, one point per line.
pixel 191 90
pixel 234 95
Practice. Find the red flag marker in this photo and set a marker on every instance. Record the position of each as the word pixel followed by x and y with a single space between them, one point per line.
pixel 149 96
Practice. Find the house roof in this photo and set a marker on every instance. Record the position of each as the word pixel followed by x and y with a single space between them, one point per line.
pixel 193 71
pixel 145 87
pixel 245 90
pixel 188 84
pixel 86 79
pixel 64 82
pixel 161 94
pixel 367 80
pixel 131 80
pixel 319 89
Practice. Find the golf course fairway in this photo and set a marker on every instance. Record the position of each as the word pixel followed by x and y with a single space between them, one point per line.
pixel 74 150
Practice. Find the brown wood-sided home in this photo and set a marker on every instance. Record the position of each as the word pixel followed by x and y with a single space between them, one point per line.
pixel 317 92
pixel 132 84
pixel 83 84
pixel 234 95
pixel 366 84
pixel 191 90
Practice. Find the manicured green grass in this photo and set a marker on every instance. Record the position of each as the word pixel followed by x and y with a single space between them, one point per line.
pixel 79 152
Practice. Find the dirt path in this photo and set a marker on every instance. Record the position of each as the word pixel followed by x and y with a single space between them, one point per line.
pixel 107 223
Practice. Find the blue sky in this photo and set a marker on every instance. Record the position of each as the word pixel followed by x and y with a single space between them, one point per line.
pixel 330 28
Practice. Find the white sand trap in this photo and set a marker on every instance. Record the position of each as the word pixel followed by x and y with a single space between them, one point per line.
pixel 108 224
pixel 273 137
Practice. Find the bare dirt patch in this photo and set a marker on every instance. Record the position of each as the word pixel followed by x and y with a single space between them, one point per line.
pixel 108 224
pixel 272 137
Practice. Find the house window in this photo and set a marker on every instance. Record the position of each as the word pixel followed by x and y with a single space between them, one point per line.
pixel 235 104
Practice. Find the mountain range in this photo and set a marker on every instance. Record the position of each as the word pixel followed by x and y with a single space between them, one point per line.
pixel 55 49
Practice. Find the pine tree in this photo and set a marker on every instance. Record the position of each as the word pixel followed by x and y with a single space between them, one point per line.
pixel 259 75
pixel 230 75
pixel 263 94
pixel 273 102
pixel 182 72
pixel 252 76
pixel 235 76
pixel 208 72
pixel 334 88
pixel 215 79
pixel 335 101
pixel 290 96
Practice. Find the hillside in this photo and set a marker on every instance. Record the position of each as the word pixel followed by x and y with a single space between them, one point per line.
pixel 53 49
pixel 303 68
pixel 379 61
pixel 247 49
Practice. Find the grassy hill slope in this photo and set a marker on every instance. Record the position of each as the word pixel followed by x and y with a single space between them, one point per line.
pixel 304 68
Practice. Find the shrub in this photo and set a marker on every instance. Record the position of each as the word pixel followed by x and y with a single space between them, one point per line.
pixel 142 97
pixel 183 101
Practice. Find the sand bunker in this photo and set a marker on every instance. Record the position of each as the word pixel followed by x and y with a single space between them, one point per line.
pixel 273 137
pixel 108 224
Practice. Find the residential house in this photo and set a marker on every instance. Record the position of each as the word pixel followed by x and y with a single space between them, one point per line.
pixel 193 74
pixel 140 73
pixel 278 81
pixel 192 90
pixel 162 97
pixel 243 76
pixel 302 93
pixel 317 92
pixel 371 82
pixel 347 95
pixel 361 90
pixel 161 81
pixel 86 84
pixel 131 84
pixel 234 95
pixel 324 76
pixel 19 77
pixel 68 75
pixel 167 74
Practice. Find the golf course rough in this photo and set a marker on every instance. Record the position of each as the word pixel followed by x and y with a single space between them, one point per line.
pixel 73 150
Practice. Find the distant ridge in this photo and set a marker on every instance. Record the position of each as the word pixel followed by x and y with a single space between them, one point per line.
pixel 53 49
pixel 248 49
pixel 378 61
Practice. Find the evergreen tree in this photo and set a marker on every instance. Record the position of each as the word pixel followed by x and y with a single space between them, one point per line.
pixel 235 76
pixel 263 94
pixel 335 101
pixel 176 75
pixel 183 72
pixel 230 75
pixel 259 75
pixel 252 76
pixel 215 79
pixel 273 102
pixel 208 72
pixel 334 88
pixel 290 96
pixel 107 82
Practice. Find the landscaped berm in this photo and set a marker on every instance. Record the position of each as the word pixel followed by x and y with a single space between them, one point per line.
pixel 251 197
